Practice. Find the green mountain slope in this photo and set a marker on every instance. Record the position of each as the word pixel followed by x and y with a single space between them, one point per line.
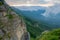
pixel 51 35
pixel 35 29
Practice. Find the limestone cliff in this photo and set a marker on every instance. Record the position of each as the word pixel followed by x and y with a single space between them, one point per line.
pixel 12 26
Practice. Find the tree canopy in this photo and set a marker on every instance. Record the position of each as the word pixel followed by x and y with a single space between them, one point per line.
pixel 51 35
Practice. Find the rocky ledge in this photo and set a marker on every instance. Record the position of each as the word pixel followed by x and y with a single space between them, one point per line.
pixel 12 26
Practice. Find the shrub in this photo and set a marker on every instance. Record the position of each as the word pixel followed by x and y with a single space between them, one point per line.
pixel 1 3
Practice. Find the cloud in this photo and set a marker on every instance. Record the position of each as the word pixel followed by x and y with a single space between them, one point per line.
pixel 54 1
pixel 34 1
pixel 52 11
pixel 40 2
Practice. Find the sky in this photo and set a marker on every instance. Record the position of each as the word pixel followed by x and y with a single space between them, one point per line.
pixel 32 2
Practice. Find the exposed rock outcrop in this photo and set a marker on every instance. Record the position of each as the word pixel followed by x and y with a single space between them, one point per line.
pixel 12 26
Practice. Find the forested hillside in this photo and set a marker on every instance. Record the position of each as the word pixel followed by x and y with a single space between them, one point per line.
pixel 35 29
pixel 13 26
pixel 50 35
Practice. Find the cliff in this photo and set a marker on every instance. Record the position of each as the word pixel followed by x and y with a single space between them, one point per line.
pixel 12 25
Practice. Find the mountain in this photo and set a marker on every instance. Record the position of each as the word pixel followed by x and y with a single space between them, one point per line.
pixel 31 17
pixel 52 15
pixel 49 15
pixel 35 29
pixel 32 12
pixel 39 19
pixel 29 8
pixel 11 24
pixel 50 35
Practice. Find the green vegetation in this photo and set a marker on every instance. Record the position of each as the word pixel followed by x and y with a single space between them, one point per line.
pixel 35 29
pixel 1 3
pixel 51 35
pixel 2 25
pixel 10 16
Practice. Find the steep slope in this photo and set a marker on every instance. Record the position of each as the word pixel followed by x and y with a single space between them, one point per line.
pixel 32 12
pixel 35 29
pixel 50 15
pixel 40 19
pixel 12 26
pixel 50 35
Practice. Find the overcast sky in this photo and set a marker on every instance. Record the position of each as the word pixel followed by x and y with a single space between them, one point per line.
pixel 34 1
pixel 11 2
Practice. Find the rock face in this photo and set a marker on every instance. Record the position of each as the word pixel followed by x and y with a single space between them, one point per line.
pixel 12 26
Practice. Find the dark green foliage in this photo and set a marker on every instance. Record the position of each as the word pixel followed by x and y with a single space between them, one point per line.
pixel 35 29
pixel 51 35
pixel 10 16
pixel 1 3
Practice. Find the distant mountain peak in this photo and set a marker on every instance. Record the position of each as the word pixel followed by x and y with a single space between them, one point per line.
pixel 52 11
pixel 30 8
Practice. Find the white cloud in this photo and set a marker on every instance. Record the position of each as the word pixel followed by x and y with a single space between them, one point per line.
pixel 40 2
pixel 54 1
pixel 54 10
pixel 47 0
pixel 34 1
